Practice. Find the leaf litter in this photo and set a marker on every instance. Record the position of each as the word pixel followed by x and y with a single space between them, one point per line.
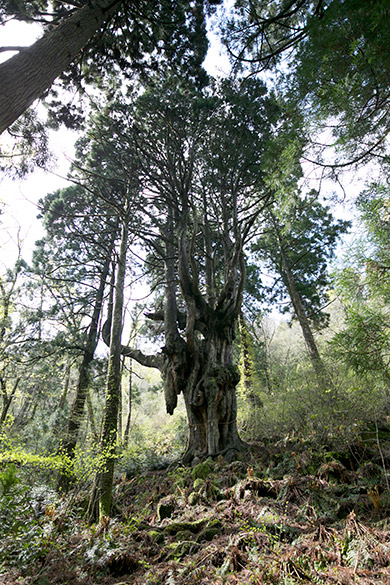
pixel 243 523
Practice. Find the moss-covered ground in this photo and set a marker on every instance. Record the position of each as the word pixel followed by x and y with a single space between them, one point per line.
pixel 286 514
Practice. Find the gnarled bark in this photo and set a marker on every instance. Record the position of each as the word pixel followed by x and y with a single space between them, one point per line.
pixel 212 412
pixel 208 376
pixel 197 358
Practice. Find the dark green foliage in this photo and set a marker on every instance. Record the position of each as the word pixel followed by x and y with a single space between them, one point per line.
pixel 364 286
pixel 308 234
pixel 334 51
pixel 69 261
pixel 139 39
pixel 343 70
pixel 121 40
pixel 365 341
pixel 24 11
pixel 29 148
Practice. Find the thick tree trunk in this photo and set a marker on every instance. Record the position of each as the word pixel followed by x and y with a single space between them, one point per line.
pixel 27 75
pixel 207 378
pixel 203 363
pixel 210 399
pixel 109 439
pixel 200 365
pixel 199 360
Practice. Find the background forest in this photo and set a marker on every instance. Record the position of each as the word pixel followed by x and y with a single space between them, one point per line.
pixel 199 342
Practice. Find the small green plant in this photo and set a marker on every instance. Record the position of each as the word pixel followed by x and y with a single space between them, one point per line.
pixel 8 479
pixel 26 529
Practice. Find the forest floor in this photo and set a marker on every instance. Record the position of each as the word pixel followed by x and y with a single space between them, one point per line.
pixel 286 514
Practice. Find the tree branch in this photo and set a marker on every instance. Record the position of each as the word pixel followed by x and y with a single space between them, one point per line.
pixel 149 361
pixel 12 48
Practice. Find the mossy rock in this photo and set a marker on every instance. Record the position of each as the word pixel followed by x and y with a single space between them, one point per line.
pixel 156 536
pixel 183 535
pixel 207 489
pixel 193 527
pixel 198 484
pixel 177 550
pixel 244 488
pixel 214 492
pixel 212 529
pixel 208 533
pixel 166 507
pixel 211 463
pixel 201 471
pixel 193 498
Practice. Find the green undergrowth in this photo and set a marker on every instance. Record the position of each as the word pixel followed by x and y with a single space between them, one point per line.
pixel 286 514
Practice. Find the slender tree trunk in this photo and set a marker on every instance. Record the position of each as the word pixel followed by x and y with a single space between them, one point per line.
pixel 120 412
pixel 77 411
pixel 266 365
pixel 27 409
pixel 109 437
pixel 91 416
pixel 27 75
pixel 296 300
pixel 66 385
pixel 266 360
pixel 129 405
pixel 35 404
pixel 21 417
pixel 7 398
